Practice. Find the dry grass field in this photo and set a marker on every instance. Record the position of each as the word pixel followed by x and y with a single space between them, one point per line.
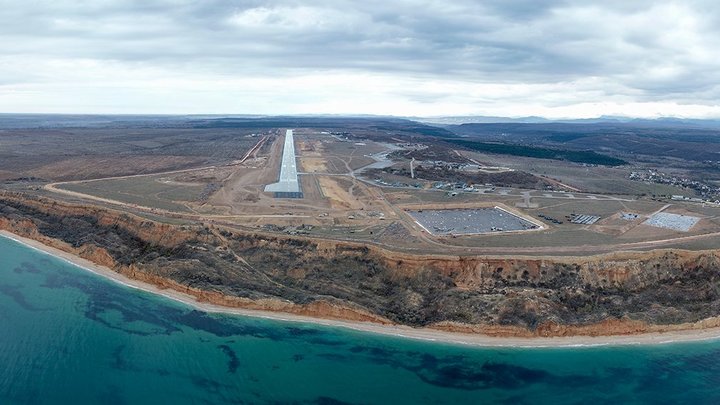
pixel 313 164
pixel 150 191
pixel 87 153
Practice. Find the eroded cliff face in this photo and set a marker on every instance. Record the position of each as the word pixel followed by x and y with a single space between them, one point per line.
pixel 620 294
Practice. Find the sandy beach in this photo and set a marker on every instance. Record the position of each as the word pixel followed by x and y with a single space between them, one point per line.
pixel 426 334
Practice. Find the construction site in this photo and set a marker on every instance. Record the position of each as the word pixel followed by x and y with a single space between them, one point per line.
pixel 309 182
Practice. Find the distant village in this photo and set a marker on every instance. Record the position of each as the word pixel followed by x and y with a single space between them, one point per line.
pixel 707 193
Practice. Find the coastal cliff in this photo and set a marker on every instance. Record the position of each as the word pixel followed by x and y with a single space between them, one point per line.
pixel 624 293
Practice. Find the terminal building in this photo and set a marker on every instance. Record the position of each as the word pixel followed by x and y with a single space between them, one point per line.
pixel 288 185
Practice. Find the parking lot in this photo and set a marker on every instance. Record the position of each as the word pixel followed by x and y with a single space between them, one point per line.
pixel 470 221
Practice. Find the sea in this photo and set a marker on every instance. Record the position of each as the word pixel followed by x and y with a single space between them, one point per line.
pixel 68 336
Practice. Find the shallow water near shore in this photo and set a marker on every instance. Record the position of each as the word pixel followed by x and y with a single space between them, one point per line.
pixel 69 336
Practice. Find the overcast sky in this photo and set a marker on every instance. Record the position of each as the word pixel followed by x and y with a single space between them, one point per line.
pixel 422 58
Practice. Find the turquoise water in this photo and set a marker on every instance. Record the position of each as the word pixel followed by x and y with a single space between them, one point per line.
pixel 69 336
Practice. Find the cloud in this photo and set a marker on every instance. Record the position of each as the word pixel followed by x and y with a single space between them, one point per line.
pixel 511 57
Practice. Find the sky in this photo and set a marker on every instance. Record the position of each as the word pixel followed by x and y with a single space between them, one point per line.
pixel 512 58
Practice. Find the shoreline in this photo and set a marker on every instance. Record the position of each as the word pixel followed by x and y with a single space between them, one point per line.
pixel 399 331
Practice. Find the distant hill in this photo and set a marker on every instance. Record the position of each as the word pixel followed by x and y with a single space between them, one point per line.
pixel 401 126
pixel 652 138
pixel 644 122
